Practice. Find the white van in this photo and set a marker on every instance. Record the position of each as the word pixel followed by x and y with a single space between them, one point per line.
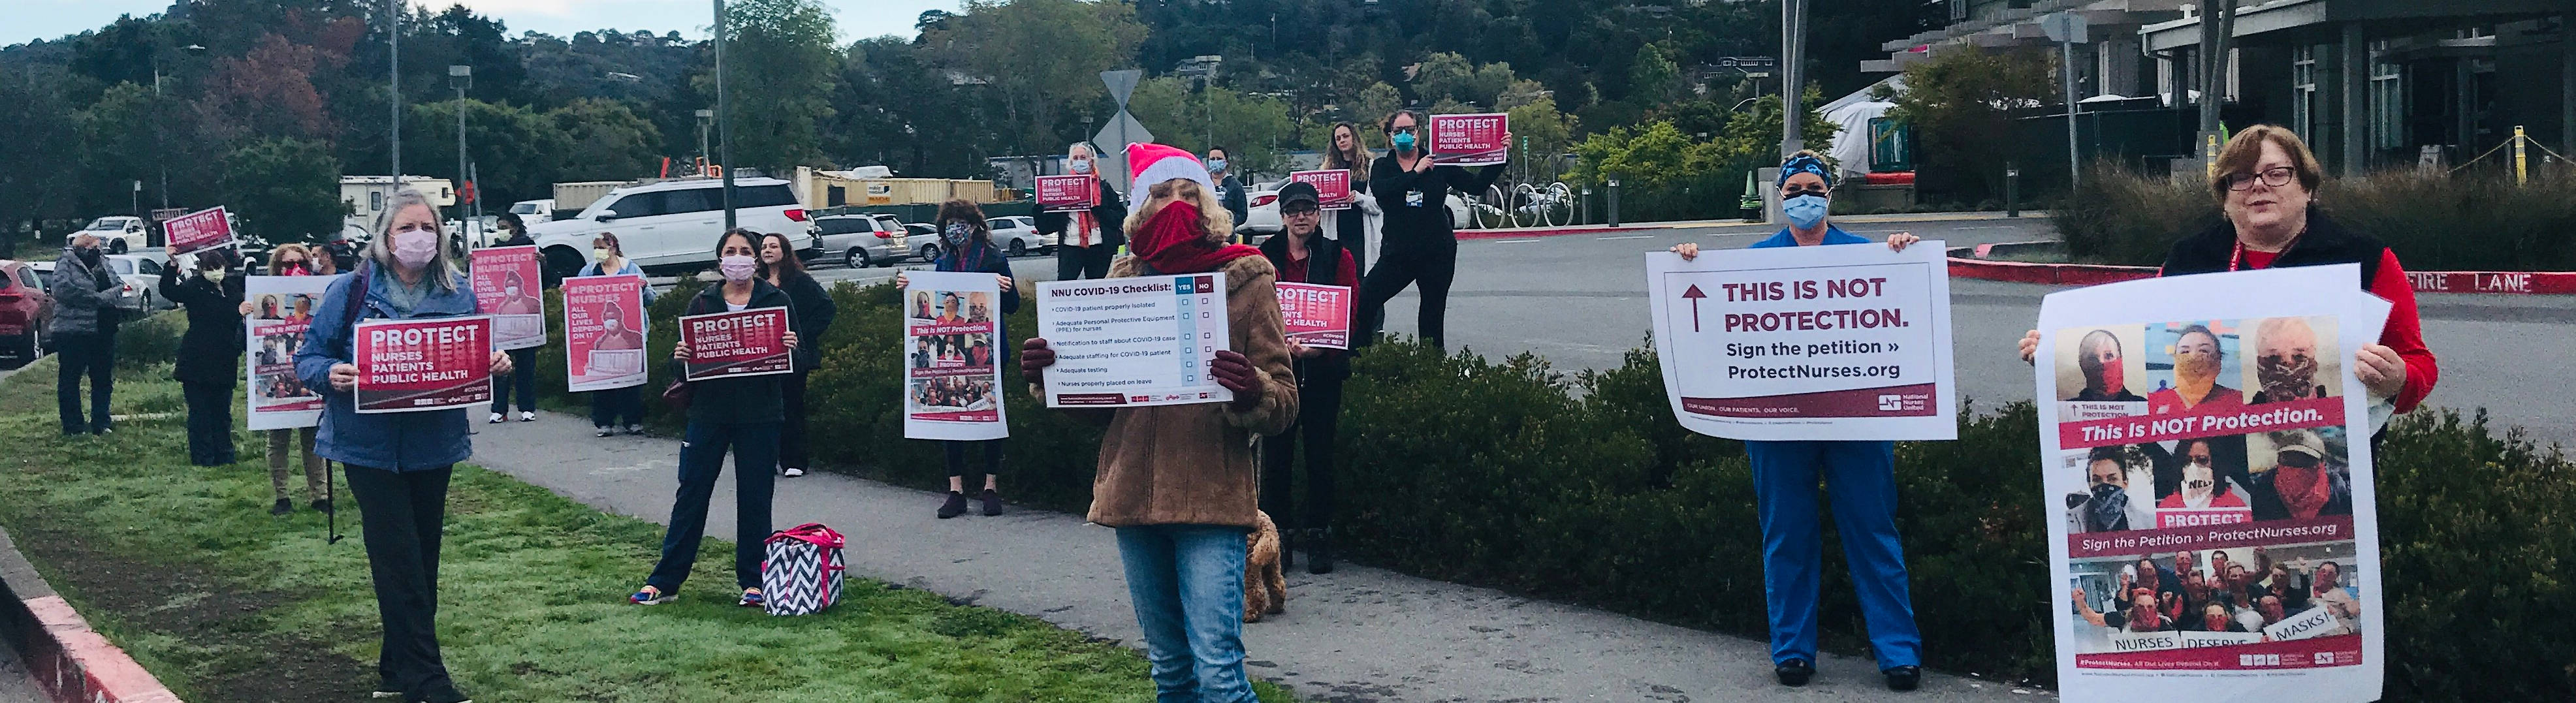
pixel 673 225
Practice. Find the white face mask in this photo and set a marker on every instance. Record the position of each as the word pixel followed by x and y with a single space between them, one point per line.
pixel 512 291
pixel 1081 166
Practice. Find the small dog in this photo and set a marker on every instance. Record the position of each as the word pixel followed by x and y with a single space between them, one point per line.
pixel 1265 587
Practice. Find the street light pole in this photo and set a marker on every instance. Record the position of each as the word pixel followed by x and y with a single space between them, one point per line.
pixel 724 133
pixel 1793 41
pixel 706 121
pixel 393 46
pixel 461 76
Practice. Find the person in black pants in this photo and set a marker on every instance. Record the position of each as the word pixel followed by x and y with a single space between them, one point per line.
pixel 814 310
pixel 523 360
pixel 84 332
pixel 1086 241
pixel 1320 373
pixel 209 361
pixel 1420 246
pixel 966 246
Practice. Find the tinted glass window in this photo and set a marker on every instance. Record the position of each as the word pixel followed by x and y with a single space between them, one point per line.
pixel 680 202
pixel 151 268
pixel 122 266
pixel 638 205
pixel 840 226
pixel 762 196
pixel 27 277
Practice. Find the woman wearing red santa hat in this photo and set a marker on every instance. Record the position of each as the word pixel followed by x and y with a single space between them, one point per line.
pixel 1179 482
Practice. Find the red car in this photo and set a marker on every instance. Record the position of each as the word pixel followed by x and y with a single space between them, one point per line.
pixel 24 311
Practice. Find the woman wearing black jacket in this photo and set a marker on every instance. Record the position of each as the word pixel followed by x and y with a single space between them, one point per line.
pixel 523 360
pixel 814 310
pixel 1086 241
pixel 210 353
pixel 1302 255
pixel 1420 244
pixel 740 415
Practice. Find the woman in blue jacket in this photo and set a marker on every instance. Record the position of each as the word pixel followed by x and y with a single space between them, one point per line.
pixel 610 406
pixel 398 463
pixel 966 241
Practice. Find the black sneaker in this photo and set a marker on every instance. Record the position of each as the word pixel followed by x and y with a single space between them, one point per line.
pixel 992 502
pixel 322 506
pixel 282 507
pixel 1904 678
pixel 955 506
pixel 1794 672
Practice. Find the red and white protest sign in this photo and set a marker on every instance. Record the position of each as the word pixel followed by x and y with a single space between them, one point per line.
pixel 198 231
pixel 1068 193
pixel 1482 139
pixel 505 287
pixel 427 364
pixel 1316 316
pixel 604 331
pixel 727 344
pixel 1332 186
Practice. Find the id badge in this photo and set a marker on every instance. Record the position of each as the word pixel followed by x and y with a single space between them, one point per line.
pixel 1413 198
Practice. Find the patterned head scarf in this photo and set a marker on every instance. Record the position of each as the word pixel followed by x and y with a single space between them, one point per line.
pixel 1805 162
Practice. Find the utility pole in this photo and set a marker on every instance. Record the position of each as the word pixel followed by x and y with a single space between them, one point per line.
pixel 460 76
pixel 393 44
pixel 2068 29
pixel 724 133
pixel 2217 22
pixel 1793 47
pixel 706 155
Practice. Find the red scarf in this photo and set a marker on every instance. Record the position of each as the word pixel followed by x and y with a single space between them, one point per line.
pixel 2303 491
pixel 1173 243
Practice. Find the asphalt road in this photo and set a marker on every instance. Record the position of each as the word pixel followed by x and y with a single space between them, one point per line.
pixel 1579 301
pixel 15 684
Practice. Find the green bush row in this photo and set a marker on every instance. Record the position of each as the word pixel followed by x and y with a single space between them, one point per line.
pixel 2467 222
pixel 1580 487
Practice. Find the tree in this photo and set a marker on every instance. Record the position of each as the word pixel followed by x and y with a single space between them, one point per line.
pixel 1448 76
pixel 1043 56
pixel 780 65
pixel 268 92
pixel 1548 133
pixel 517 150
pixel 603 140
pixel 45 142
pixel 286 190
pixel 1961 104
pixel 1653 77
pixel 1252 126
pixel 1373 104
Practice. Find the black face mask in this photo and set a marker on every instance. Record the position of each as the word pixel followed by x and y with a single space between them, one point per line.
pixel 87 255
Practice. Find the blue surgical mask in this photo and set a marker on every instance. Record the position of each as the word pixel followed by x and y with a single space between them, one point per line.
pixel 1403 141
pixel 1805 211
pixel 1216 165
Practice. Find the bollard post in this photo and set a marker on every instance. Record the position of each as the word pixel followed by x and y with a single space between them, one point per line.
pixel 2012 190
pixel 2521 159
pixel 1614 202
pixel 1587 206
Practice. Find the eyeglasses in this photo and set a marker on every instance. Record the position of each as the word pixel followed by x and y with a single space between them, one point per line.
pixel 1297 211
pixel 1400 130
pixel 2275 177
pixel 1787 192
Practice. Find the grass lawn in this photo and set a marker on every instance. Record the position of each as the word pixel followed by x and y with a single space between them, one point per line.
pixel 184 567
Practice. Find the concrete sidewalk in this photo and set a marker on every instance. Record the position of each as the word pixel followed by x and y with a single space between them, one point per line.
pixel 1358 634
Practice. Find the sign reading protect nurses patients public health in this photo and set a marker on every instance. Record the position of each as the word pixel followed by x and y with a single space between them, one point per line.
pixel 1136 341
pixel 746 343
pixel 198 231
pixel 1470 140
pixel 1068 193
pixel 2208 429
pixel 1846 342
pixel 423 364
pixel 505 283
pixel 1316 316
pixel 1332 186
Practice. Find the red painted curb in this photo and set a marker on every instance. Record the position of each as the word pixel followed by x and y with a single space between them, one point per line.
pixel 1525 233
pixel 75 664
pixel 2426 282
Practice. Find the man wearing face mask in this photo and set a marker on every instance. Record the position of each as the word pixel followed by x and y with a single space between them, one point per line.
pixel 84 333
pixel 2105 505
pixel 1229 192
pixel 2304 481
pixel 2105 371
pixel 2285 360
pixel 1087 240
pixel 209 353
pixel 1863 477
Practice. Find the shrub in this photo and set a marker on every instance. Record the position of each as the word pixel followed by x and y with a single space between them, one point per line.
pixel 152 339
pixel 2471 221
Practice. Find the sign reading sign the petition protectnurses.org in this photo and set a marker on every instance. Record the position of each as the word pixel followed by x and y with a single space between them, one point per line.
pixel 1848 342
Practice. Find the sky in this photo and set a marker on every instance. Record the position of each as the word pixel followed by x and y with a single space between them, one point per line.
pixel 27 20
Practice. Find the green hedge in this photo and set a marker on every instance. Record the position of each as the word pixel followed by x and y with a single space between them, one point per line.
pixel 1580 487
pixel 2465 222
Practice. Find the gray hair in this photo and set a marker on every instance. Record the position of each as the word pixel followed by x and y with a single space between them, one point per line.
pixel 442 265
pixel 1085 147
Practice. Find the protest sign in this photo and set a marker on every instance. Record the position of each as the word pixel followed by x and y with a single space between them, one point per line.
pixel 1068 193
pixel 281 307
pixel 747 343
pixel 952 351
pixel 1134 341
pixel 197 231
pixel 1332 187
pixel 505 287
pixel 1827 342
pixel 2207 478
pixel 1316 316
pixel 604 330
pixel 1471 140
pixel 423 364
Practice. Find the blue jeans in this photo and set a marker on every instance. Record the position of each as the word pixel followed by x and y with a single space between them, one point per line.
pixel 1861 478
pixel 1187 585
pixel 755 472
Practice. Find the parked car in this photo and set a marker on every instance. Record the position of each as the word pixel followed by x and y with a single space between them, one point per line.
pixel 534 211
pixel 673 225
pixel 25 309
pixel 1261 210
pixel 117 233
pixel 861 241
pixel 142 276
pixel 1019 235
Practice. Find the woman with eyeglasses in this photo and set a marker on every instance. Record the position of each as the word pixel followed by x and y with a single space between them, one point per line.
pixel 2266 182
pixel 1420 245
pixel 1863 477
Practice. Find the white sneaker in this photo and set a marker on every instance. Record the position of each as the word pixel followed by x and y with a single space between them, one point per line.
pixel 792 472
pixel 525 416
pixel 495 419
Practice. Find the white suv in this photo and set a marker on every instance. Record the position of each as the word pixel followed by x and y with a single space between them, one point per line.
pixel 674 224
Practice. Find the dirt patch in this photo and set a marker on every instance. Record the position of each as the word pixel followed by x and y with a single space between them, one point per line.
pixel 235 656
